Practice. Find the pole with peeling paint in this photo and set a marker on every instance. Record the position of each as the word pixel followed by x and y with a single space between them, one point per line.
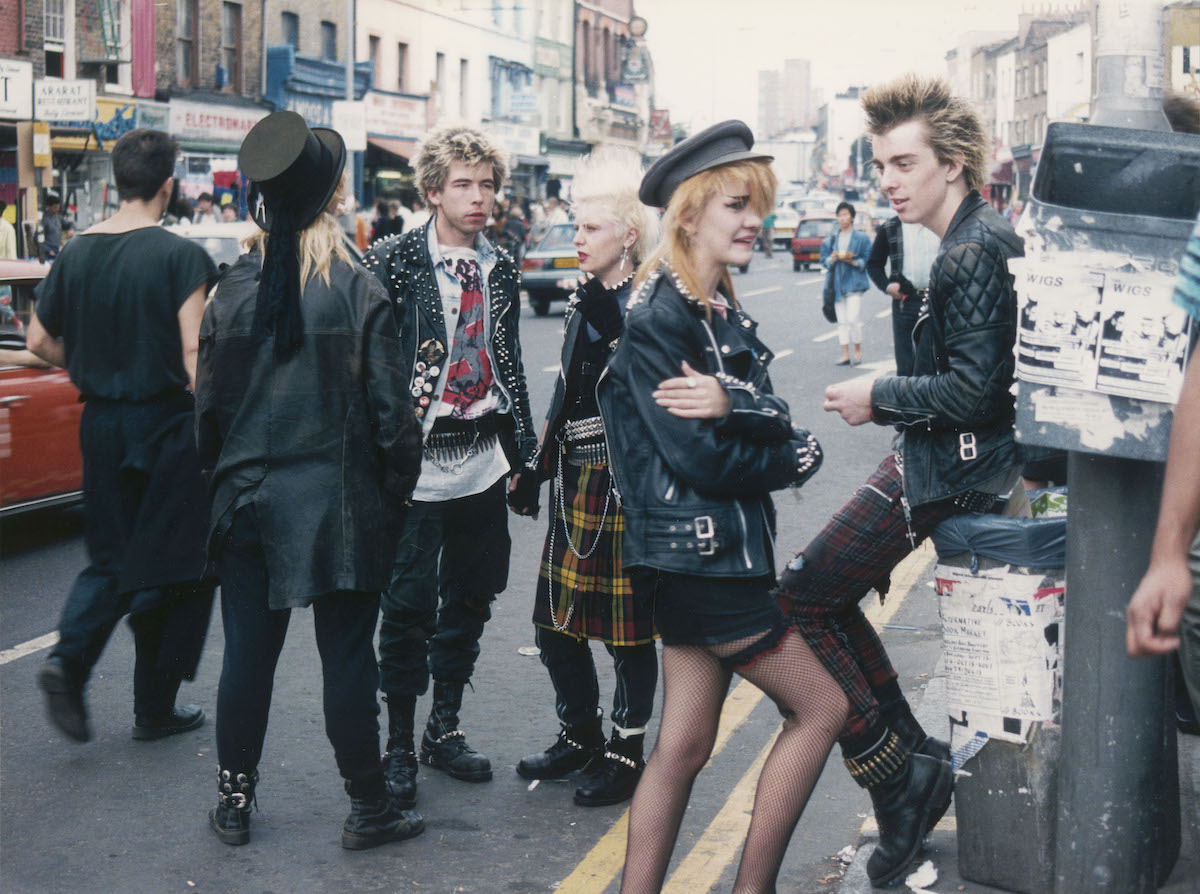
pixel 1118 813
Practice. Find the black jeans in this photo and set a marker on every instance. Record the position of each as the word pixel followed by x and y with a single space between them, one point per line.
pixel 577 691
pixel 254 635
pixel 451 561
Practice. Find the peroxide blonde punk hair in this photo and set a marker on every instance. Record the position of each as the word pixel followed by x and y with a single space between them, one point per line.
pixel 755 178
pixel 608 180
pixel 320 241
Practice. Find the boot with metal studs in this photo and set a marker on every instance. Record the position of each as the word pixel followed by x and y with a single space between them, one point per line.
pixel 400 759
pixel 574 748
pixel 230 819
pixel 376 817
pixel 444 746
pixel 615 773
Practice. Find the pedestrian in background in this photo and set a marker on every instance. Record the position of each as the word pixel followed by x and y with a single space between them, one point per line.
pixel 204 211
pixel 52 222
pixel 125 297
pixel 583 592
pixel 898 265
pixel 844 257
pixel 8 235
pixel 698 443
pixel 311 449
pixel 768 234
pixel 456 297
pixel 955 454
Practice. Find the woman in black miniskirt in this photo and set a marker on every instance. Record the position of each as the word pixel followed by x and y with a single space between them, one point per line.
pixel 697 441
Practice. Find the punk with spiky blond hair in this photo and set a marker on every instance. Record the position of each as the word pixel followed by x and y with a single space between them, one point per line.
pixel 956 454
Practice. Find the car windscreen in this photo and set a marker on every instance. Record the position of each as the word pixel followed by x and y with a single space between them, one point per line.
pixel 815 229
pixel 560 238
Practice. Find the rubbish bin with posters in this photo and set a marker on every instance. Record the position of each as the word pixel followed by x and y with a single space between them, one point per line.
pixel 1001 590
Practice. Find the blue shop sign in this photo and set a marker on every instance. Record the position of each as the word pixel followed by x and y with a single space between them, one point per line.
pixel 309 86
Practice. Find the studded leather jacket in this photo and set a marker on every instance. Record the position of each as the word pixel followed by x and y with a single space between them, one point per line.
pixel 696 492
pixel 956 410
pixel 403 265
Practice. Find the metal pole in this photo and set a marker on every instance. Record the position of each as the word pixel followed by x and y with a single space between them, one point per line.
pixel 1129 65
pixel 1118 811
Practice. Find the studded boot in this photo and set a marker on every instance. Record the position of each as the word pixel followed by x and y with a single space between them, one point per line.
pixel 575 746
pixel 230 819
pixel 444 746
pixel 376 816
pixel 400 759
pixel 905 789
pixel 616 773
pixel 905 725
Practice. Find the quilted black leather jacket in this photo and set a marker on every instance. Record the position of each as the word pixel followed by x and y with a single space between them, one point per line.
pixel 956 410
pixel 403 265
pixel 696 492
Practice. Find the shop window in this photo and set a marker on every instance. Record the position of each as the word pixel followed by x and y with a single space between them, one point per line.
pixel 329 41
pixel 186 58
pixel 231 44
pixel 289 24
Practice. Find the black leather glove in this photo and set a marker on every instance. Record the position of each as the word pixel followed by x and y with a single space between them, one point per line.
pixel 524 492
pixel 808 455
pixel 599 307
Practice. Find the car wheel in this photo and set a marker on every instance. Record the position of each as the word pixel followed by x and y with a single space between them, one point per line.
pixel 540 303
pixel 743 268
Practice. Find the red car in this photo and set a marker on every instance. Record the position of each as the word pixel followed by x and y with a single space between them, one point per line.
pixel 40 463
pixel 806 243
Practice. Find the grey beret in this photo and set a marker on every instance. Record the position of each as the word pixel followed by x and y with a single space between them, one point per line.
pixel 720 144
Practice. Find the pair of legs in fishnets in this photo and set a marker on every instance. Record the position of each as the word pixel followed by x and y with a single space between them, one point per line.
pixel 695 682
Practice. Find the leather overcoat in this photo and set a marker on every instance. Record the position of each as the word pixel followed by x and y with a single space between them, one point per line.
pixel 404 266
pixel 696 493
pixel 957 409
pixel 324 446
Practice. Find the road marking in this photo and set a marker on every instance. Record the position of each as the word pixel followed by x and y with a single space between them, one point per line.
pixel 809 282
pixel 883 313
pixel 828 335
pixel 715 851
pixel 945 824
pixel 754 292
pixel 604 861
pixel 550 369
pixel 702 868
pixel 28 648
pixel 786 352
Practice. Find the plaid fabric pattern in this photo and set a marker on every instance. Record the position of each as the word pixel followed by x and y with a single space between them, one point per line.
pixel 605 606
pixel 859 547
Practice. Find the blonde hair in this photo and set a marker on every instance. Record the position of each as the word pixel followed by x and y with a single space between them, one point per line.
pixel 608 179
pixel 687 203
pixel 953 128
pixel 320 242
pixel 455 143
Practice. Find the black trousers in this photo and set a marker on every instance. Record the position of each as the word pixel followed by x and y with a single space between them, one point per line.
pixel 451 561
pixel 577 690
pixel 254 635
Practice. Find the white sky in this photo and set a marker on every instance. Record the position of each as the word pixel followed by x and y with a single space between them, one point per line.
pixel 707 53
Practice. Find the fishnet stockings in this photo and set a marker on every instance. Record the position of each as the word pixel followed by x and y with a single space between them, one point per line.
pixel 694 687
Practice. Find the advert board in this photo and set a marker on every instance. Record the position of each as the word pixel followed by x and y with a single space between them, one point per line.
pixel 1099 325
pixel 1001 634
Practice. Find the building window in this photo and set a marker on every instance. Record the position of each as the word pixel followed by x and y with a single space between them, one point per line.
pixel 54 22
pixel 402 67
pixel 329 41
pixel 231 44
pixel 289 24
pixel 187 15
pixel 464 81
pixel 439 73
pixel 112 71
pixel 373 55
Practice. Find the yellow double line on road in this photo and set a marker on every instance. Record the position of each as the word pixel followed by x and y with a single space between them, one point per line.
pixel 706 861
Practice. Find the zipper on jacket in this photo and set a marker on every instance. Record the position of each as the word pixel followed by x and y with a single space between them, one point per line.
pixel 716 348
pixel 745 534
pixel 670 494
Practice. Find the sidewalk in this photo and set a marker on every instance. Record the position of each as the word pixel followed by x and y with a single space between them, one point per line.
pixel 941 849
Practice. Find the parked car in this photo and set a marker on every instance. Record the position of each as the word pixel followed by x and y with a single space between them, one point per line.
pixel 806 243
pixel 40 462
pixel 550 271
pixel 786 220
pixel 222 241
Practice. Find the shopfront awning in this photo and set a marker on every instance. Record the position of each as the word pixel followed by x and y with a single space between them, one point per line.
pixel 394 145
pixel 533 161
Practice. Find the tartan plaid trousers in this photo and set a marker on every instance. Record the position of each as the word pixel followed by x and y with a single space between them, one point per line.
pixel 855 552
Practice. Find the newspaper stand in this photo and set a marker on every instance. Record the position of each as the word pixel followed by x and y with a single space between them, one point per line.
pixel 1100 358
pixel 1000 584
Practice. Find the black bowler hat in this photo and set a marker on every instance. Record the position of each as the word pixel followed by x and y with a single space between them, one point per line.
pixel 291 166
pixel 720 144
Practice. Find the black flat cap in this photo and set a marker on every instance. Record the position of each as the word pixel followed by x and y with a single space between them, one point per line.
pixel 292 166
pixel 720 144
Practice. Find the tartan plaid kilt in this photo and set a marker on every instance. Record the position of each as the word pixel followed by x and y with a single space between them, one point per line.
pixel 605 607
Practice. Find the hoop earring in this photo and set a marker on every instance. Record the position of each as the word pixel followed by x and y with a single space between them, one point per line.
pixel 624 258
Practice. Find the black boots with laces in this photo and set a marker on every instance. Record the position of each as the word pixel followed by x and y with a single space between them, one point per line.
pixel 574 748
pixel 444 746
pixel 615 774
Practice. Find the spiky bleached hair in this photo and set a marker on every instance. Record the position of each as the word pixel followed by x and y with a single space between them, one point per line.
pixel 456 143
pixel 608 180
pixel 955 131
